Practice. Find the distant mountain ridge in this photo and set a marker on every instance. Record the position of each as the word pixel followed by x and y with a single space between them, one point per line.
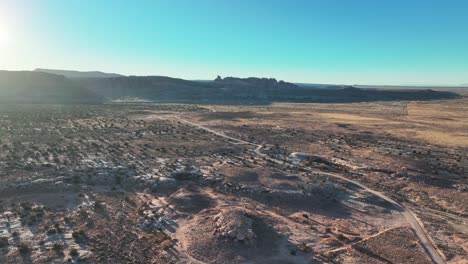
pixel 167 89
pixel 232 90
pixel 79 74
pixel 40 87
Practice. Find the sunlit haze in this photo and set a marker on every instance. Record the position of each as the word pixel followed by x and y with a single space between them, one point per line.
pixel 323 41
pixel 4 37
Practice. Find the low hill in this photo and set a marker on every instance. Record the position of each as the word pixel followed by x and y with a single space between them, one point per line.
pixel 79 74
pixel 39 87
pixel 231 90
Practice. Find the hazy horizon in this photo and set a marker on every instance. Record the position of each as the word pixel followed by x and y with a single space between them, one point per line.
pixel 250 76
pixel 331 42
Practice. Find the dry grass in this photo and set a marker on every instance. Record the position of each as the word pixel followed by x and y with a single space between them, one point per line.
pixel 439 137
pixel 443 123
pixel 350 118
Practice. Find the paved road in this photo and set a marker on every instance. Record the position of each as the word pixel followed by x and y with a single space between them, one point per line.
pixel 414 222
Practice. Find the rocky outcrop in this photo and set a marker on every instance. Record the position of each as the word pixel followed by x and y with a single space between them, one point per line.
pixel 260 83
pixel 234 224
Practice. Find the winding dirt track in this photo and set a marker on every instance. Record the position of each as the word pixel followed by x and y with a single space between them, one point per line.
pixel 414 222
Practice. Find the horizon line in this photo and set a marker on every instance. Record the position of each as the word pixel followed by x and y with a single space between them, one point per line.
pixel 461 85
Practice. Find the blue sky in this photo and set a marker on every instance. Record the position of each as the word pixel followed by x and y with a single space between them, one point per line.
pixel 318 41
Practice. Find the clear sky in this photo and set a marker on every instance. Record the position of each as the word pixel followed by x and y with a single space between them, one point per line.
pixel 317 41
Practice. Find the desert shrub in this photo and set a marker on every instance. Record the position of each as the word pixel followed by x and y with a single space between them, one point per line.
pixel 73 252
pixel 26 206
pixel 84 214
pixel 166 244
pixel 67 219
pixel 23 248
pixel 51 231
pixel 98 205
pixel 304 248
pixel 39 214
pixel 3 242
pixel 341 237
pixel 58 228
pixel 141 211
pixel 57 247
pixel 79 236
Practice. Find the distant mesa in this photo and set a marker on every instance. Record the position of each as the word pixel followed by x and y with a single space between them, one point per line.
pixel 79 74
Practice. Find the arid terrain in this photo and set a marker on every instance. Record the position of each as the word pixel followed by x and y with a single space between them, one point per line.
pixel 233 132
pixel 369 182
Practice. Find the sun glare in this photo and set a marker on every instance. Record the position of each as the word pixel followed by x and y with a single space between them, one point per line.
pixel 4 38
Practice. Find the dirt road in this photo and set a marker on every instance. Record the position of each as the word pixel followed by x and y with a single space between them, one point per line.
pixel 414 222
